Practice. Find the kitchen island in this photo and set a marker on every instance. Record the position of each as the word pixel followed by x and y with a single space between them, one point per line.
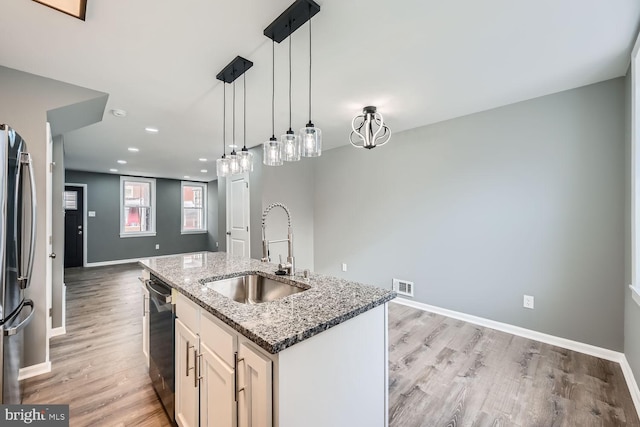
pixel 314 358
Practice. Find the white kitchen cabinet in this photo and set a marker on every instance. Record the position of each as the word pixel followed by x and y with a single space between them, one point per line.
pixel 335 378
pixel 186 384
pixel 217 391
pixel 255 390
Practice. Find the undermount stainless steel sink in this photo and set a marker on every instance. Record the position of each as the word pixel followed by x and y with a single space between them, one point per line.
pixel 253 289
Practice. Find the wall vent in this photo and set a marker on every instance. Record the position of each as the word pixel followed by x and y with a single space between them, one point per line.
pixel 403 287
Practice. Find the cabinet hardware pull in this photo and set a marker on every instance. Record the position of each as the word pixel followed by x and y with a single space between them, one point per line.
pixel 187 364
pixel 237 367
pixel 196 378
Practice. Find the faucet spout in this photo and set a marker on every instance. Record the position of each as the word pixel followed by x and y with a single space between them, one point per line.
pixel 289 266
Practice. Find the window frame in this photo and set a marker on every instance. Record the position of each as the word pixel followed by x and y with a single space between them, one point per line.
pixel 203 185
pixel 152 204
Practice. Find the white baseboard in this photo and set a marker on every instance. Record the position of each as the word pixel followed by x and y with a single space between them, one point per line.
pixel 34 370
pixel 58 331
pixel 631 382
pixel 114 262
pixel 603 353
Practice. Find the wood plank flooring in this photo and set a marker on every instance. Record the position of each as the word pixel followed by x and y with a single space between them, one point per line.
pixel 443 372
pixel 446 372
pixel 98 366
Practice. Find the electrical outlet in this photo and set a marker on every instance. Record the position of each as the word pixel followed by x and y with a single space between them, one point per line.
pixel 344 266
pixel 528 302
pixel 157 246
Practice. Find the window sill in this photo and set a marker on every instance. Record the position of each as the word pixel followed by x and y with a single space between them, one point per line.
pixel 635 294
pixel 194 232
pixel 127 235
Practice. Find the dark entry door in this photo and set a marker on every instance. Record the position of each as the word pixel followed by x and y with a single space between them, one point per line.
pixel 73 226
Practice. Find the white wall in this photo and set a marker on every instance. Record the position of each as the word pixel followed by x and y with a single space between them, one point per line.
pixel 26 99
pixel 480 210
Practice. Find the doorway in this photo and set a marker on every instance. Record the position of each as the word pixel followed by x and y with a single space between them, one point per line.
pixel 74 229
pixel 238 216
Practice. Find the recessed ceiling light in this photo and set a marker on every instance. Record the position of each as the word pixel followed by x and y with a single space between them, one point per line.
pixel 187 176
pixel 122 162
pixel 150 129
pixel 133 149
pixel 233 146
pixel 113 170
pixel 202 159
pixel 203 170
pixel 119 113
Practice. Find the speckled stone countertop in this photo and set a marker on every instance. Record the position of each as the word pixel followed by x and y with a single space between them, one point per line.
pixel 275 325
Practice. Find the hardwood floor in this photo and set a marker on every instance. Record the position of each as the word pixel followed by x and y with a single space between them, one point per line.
pixel 443 372
pixel 98 366
pixel 446 372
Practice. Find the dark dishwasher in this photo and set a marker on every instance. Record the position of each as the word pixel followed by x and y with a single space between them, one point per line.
pixel 161 343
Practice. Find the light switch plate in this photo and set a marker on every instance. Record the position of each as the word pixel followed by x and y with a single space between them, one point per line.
pixel 92 213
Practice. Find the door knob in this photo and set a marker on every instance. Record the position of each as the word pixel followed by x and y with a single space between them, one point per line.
pixel 52 255
pixel 80 232
pixel 228 233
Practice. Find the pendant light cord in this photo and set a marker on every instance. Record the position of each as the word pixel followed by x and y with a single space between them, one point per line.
pixel 244 106
pixel 233 120
pixel 273 88
pixel 289 76
pixel 309 63
pixel 224 119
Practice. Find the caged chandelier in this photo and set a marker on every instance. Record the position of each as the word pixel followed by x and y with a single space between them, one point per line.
pixel 369 129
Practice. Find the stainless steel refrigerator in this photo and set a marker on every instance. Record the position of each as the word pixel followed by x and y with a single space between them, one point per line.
pixel 17 245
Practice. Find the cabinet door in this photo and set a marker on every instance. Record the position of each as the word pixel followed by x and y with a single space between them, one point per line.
pixel 145 323
pixel 254 388
pixel 217 391
pixel 186 384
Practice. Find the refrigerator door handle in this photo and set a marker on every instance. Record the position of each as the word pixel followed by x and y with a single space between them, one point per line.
pixel 25 160
pixel 14 330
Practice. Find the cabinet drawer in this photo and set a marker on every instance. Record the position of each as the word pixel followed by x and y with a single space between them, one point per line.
pixel 218 337
pixel 188 312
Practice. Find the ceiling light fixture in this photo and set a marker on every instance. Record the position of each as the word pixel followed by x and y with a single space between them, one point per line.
pixel 245 157
pixel 272 149
pixel 203 171
pixel 290 140
pixel 113 170
pixel 290 148
pixel 119 113
pixel 149 129
pixel 230 165
pixel 122 162
pixel 202 159
pixel 310 136
pixel 133 149
pixel 369 129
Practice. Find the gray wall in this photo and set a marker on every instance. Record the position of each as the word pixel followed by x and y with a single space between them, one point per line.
pixel 631 309
pixel 57 292
pixel 103 230
pixel 212 216
pixel 479 210
pixel 26 100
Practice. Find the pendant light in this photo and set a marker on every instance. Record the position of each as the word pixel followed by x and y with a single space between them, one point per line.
pixel 222 164
pixel 310 136
pixel 272 149
pixel 290 140
pixel 234 162
pixel 369 129
pixel 245 157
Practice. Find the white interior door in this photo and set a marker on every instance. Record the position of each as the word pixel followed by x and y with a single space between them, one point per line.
pixel 49 234
pixel 238 215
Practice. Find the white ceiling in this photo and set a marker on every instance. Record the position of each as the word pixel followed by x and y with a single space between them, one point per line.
pixel 418 61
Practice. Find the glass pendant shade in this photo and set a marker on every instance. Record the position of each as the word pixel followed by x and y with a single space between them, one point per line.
pixel 222 167
pixel 291 146
pixel 245 159
pixel 311 141
pixel 272 152
pixel 234 163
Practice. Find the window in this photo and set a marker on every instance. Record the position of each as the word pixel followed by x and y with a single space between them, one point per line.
pixel 194 207
pixel 70 201
pixel 137 207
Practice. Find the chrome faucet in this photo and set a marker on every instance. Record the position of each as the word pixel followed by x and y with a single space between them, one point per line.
pixel 288 267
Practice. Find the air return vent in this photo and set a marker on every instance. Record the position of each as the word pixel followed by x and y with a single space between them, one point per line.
pixel 403 287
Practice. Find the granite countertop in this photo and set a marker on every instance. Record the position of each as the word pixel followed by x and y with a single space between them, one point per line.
pixel 274 325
